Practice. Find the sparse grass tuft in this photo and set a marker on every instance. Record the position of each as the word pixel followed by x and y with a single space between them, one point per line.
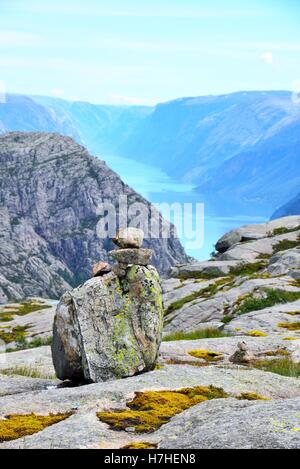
pixel 25 344
pixel 282 230
pixel 26 371
pixel 273 297
pixel 203 293
pixel 282 366
pixel 17 334
pixel 286 244
pixel 209 333
pixel 247 269
pixel 26 307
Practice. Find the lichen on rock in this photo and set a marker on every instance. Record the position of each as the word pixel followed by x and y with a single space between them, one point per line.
pixel 110 327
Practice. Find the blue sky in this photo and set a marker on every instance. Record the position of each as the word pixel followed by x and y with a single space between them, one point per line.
pixel 148 51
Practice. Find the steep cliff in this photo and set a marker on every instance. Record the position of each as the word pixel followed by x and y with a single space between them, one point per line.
pixel 50 192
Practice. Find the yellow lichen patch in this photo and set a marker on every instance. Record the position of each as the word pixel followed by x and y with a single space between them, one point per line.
pixel 291 326
pixel 257 334
pixel 158 367
pixel 207 355
pixel 294 313
pixel 149 410
pixel 252 396
pixel 290 338
pixel 140 445
pixel 17 426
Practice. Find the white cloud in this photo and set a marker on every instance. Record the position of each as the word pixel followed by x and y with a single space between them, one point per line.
pixel 130 101
pixel 267 58
pixel 57 92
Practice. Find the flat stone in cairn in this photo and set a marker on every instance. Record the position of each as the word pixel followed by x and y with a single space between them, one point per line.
pixel 101 268
pixel 132 256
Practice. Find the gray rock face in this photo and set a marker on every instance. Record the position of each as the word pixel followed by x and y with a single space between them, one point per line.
pixel 51 192
pixel 201 269
pixel 109 328
pixel 255 232
pixel 231 424
pixel 284 261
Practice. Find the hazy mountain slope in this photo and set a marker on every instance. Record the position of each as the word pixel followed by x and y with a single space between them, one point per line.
pixel 100 127
pixel 260 179
pixel 21 113
pixel 189 136
pixel 50 193
pixel 291 208
pixel 241 149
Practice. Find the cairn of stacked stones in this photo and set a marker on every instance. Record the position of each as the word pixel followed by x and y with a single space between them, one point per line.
pixel 111 326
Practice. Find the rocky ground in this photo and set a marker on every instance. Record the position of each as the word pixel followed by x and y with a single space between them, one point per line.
pixel 249 292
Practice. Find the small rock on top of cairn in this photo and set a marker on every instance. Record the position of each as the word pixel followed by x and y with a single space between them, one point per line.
pixel 129 238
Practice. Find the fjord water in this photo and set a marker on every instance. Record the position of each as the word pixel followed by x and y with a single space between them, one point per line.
pixel 159 188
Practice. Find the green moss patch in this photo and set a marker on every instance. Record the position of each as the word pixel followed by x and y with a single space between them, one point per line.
pixel 272 298
pixel 18 425
pixel 208 333
pixel 149 410
pixel 207 355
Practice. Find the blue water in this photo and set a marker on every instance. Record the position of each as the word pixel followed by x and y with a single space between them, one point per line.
pixel 158 188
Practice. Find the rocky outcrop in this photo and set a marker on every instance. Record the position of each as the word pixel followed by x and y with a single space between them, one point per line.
pixel 110 327
pixel 51 189
pixel 255 273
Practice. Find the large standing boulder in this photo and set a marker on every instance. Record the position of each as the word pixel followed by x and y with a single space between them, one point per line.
pixel 110 327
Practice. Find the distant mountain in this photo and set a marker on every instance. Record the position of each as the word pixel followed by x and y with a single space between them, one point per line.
pixel 50 193
pixel 261 178
pixel 190 136
pixel 240 150
pixel 291 208
pixel 101 128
